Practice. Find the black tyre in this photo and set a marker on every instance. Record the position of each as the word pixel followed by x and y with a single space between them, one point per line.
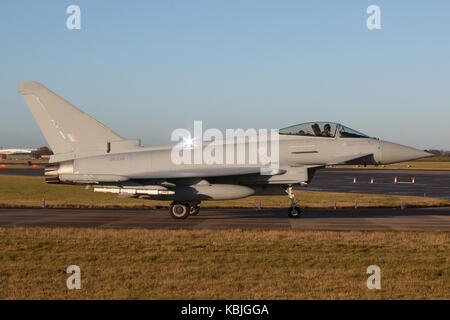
pixel 294 212
pixel 179 210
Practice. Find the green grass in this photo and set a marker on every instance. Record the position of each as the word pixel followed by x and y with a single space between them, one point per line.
pixel 38 161
pixel 434 159
pixel 6 167
pixel 213 264
pixel 22 164
pixel 19 191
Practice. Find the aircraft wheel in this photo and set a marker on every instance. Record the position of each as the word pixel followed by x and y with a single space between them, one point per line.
pixel 294 212
pixel 179 210
pixel 194 210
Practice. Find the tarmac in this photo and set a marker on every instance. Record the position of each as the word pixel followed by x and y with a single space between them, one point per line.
pixel 409 219
pixel 429 183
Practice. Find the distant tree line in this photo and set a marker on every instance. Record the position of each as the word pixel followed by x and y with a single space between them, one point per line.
pixel 43 151
pixel 440 153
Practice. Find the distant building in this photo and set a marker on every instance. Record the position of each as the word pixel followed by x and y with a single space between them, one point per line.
pixel 9 151
pixel 26 153
pixel 18 154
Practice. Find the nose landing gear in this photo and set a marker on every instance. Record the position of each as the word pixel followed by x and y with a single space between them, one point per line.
pixel 293 211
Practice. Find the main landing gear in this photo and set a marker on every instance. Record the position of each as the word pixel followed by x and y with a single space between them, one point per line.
pixel 293 211
pixel 182 210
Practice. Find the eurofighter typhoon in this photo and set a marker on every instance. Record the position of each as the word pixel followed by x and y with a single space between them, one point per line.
pixel 87 152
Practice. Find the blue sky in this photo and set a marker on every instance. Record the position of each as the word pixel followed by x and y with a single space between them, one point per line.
pixel 145 68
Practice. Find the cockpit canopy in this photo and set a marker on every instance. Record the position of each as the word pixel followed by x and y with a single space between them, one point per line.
pixel 322 129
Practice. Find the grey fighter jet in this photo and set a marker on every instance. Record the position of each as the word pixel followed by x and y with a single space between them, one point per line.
pixel 87 152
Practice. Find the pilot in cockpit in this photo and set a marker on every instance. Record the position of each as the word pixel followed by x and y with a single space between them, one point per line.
pixel 326 130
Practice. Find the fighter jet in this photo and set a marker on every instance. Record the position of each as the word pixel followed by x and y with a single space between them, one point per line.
pixel 87 152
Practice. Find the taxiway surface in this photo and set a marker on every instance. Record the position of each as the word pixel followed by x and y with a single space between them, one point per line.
pixel 410 219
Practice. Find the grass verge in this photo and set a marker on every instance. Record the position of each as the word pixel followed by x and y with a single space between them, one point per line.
pixel 233 264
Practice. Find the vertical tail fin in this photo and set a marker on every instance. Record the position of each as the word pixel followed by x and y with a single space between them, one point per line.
pixel 65 127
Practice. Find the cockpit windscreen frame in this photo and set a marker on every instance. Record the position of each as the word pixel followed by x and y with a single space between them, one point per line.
pixel 322 129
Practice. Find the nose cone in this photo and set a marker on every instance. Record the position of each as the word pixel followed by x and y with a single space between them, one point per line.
pixel 392 153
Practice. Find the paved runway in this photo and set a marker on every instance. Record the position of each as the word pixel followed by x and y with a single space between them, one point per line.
pixel 22 172
pixel 342 220
pixel 430 183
